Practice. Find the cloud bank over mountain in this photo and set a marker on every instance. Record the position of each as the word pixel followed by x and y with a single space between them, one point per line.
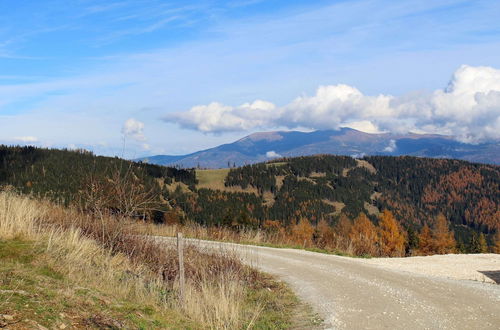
pixel 469 108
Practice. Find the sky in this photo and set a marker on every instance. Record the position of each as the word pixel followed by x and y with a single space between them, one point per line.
pixel 146 77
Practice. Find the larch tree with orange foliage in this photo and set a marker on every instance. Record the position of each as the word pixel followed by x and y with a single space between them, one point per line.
pixel 425 241
pixel 303 232
pixel 444 239
pixel 364 236
pixel 272 226
pixel 325 234
pixel 496 246
pixel 342 231
pixel 392 238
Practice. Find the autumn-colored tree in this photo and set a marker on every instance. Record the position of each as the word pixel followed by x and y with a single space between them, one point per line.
pixel 496 246
pixel 325 234
pixel 342 231
pixel 444 239
pixel 303 232
pixel 343 226
pixel 275 230
pixel 392 238
pixel 272 226
pixel 426 242
pixel 364 236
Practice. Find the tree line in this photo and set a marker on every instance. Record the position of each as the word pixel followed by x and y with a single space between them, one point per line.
pixel 318 192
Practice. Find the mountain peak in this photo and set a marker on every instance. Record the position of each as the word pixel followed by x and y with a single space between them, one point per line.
pixel 258 146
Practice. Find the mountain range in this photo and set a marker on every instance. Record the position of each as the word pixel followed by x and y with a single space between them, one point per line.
pixel 263 146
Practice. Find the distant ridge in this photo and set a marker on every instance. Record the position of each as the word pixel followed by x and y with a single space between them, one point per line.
pixel 264 146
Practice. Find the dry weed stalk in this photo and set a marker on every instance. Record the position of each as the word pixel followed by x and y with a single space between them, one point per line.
pixel 109 255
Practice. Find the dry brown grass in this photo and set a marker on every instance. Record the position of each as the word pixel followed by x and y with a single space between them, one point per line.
pixel 107 254
pixel 224 234
pixel 338 242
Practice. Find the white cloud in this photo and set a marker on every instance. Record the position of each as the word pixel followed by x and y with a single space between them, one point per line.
pixel 217 117
pixel 363 125
pixel 134 129
pixel 26 139
pixel 391 147
pixel 468 108
pixel 272 154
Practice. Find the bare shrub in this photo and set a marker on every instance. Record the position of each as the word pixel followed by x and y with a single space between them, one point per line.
pixel 122 192
pixel 107 253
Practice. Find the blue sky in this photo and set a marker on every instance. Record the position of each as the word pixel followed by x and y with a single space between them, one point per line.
pixel 178 76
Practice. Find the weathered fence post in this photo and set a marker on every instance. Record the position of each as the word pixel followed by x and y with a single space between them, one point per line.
pixel 182 281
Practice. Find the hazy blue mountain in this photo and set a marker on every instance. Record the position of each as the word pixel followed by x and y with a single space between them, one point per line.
pixel 263 146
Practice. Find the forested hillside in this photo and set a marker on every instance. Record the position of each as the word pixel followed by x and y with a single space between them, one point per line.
pixel 325 188
pixel 79 177
pixel 316 192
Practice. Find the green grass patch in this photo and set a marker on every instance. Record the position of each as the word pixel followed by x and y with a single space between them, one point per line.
pixel 16 251
pixel 36 294
pixel 276 164
pixel 213 179
pixel 279 307
pixel 50 272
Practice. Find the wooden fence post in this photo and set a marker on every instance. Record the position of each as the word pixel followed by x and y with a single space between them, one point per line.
pixel 182 281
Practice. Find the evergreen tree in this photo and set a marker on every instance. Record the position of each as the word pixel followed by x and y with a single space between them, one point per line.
pixel 413 242
pixel 483 245
pixel 474 245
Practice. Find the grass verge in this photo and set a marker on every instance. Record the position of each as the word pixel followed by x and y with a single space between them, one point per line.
pixel 63 268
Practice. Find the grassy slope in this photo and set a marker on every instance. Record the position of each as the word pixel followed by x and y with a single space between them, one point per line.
pixel 51 276
pixel 214 179
pixel 34 293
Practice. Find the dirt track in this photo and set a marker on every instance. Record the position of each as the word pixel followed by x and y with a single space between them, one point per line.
pixel 355 294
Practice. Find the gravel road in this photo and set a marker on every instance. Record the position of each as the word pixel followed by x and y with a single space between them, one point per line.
pixel 351 293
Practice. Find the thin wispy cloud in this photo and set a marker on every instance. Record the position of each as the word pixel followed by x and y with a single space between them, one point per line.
pixel 191 54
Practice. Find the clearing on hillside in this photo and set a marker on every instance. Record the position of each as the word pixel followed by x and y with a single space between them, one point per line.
pixel 212 179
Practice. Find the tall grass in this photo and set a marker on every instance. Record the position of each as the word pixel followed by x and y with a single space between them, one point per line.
pixel 339 245
pixel 105 253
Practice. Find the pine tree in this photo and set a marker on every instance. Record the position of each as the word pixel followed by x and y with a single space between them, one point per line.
pixel 474 246
pixel 412 241
pixel 483 245
pixel 392 239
